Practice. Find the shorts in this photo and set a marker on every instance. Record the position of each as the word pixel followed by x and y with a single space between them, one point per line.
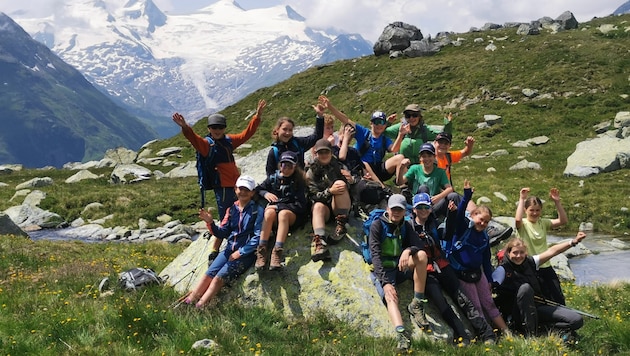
pixel 228 270
pixel 380 171
pixel 392 274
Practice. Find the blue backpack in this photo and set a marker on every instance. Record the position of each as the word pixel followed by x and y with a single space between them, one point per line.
pixel 376 215
pixel 295 147
pixel 206 168
pixel 456 244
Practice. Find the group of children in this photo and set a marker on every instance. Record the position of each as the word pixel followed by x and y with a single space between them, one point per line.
pixel 453 256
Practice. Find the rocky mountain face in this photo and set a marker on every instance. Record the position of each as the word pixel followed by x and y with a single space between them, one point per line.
pixel 49 113
pixel 195 64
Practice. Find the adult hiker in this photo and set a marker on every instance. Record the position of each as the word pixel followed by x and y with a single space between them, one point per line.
pixel 221 167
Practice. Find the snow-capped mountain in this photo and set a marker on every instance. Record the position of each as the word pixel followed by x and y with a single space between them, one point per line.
pixel 196 63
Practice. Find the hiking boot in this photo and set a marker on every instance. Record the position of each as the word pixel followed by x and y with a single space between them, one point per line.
pixel 276 258
pixel 498 232
pixel 340 230
pixel 261 257
pixel 212 256
pixel 416 309
pixel 320 252
pixel 403 341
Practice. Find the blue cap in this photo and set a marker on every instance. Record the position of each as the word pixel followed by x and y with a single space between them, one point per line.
pixel 379 115
pixel 421 199
pixel 428 147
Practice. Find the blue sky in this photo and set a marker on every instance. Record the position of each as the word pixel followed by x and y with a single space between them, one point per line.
pixel 370 17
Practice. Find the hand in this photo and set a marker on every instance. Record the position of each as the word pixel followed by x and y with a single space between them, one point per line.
pixel 261 106
pixel 205 215
pixel 452 206
pixel 319 109
pixel 406 162
pixel 179 120
pixel 554 194
pixel 403 261
pixel 235 256
pixel 346 173
pixel 272 198
pixel 348 131
pixel 469 141
pixel 391 118
pixel 404 129
pixel 467 185
pixel 580 236
pixel 449 117
pixel 323 101
pixel 524 193
pixel 338 187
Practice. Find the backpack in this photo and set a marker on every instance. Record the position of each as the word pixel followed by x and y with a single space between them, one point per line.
pixel 457 243
pixel 295 148
pixel 365 146
pixel 206 168
pixel 137 278
pixel 376 215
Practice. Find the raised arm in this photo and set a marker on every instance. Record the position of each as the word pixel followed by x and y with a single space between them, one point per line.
pixel 562 219
pixel 468 146
pixel 520 208
pixel 325 102
pixel 402 131
pixel 560 247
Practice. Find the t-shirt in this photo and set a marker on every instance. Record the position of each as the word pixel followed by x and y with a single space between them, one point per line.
pixel 378 146
pixel 436 181
pixel 442 162
pixel 535 236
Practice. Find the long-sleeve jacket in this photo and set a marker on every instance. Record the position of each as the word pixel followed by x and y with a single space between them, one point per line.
pixel 241 228
pixel 383 251
pixel 224 157
pixel 298 145
pixel 321 177
pixel 420 134
pixel 291 192
pixel 430 243
pixel 471 249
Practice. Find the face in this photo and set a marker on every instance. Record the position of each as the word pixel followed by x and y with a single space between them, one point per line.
pixel 379 125
pixel 518 254
pixel 396 214
pixel 287 168
pixel 422 211
pixel 480 220
pixel 533 212
pixel 216 131
pixel 413 118
pixel 329 130
pixel 426 158
pixel 243 194
pixel 285 131
pixel 442 146
pixel 324 156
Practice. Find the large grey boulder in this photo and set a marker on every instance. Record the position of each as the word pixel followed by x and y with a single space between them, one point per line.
pixel 605 153
pixel 35 183
pixel 396 36
pixel 129 173
pixel 8 227
pixel 120 155
pixel 29 216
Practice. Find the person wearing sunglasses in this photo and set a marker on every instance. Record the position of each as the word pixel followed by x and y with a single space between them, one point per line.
pixel 418 132
pixel 220 146
pixel 371 143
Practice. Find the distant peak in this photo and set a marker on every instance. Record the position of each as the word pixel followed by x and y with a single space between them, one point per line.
pixel 293 15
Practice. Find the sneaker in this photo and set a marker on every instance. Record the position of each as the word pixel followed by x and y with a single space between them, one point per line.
pixel 320 252
pixel 261 257
pixel 498 232
pixel 276 258
pixel 416 309
pixel 403 341
pixel 212 256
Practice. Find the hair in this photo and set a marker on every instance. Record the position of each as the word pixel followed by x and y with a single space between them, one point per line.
pixel 481 209
pixel 533 200
pixel 282 120
pixel 329 120
pixel 298 173
pixel 514 242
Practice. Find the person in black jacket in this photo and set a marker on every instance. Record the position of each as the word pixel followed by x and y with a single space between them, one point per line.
pixel 285 193
pixel 396 257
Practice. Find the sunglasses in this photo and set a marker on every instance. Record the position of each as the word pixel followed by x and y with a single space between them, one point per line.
pixel 379 121
pixel 422 207
pixel 286 165
pixel 411 114
pixel 216 127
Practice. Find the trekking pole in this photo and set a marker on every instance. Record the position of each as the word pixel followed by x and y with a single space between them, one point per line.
pixel 556 304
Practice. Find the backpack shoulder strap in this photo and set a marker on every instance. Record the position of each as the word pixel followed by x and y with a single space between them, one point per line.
pixel 448 167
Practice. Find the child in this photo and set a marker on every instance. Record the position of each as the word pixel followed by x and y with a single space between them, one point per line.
pixel 533 230
pixel 440 275
pixel 372 143
pixel 519 292
pixel 241 227
pixel 283 140
pixel 468 251
pixel 223 161
pixel 329 193
pixel 285 192
pixel 396 257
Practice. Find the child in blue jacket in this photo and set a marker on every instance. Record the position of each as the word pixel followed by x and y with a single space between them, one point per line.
pixel 241 227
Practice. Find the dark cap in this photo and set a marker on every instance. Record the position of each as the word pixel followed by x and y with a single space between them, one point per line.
pixel 216 119
pixel 444 136
pixel 397 201
pixel 427 147
pixel 288 156
pixel 378 115
pixel 322 144
pixel 412 108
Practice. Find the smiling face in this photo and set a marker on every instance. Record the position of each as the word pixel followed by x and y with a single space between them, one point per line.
pixel 244 195
pixel 517 253
pixel 285 131
pixel 413 118
pixel 533 212
pixel 396 214
pixel 441 146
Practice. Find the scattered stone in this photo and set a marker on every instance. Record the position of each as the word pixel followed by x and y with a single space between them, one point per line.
pixel 501 196
pixel 539 140
pixel 491 119
pixel 81 175
pixel 500 152
pixel 35 183
pixel 168 151
pixel 91 206
pixel 491 170
pixel 483 200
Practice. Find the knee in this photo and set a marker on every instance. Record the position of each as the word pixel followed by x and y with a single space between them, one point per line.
pixel 525 291
pixel 421 258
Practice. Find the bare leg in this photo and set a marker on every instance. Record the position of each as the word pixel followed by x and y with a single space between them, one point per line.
pixel 286 218
pixel 211 292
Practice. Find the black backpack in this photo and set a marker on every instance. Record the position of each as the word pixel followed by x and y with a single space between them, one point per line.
pixel 137 278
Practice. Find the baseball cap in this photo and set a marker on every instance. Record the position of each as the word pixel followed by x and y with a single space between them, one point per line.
pixel 246 182
pixel 421 199
pixel 412 107
pixel 216 119
pixel 288 156
pixel 322 144
pixel 428 147
pixel 444 136
pixel 378 115
pixel 397 201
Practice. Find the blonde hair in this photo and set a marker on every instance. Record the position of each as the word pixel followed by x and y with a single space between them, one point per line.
pixel 282 120
pixel 481 209
pixel 514 242
pixel 329 120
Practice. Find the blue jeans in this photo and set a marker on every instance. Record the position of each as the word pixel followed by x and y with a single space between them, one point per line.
pixel 228 270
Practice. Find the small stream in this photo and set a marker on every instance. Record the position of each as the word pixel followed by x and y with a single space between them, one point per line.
pixel 607 265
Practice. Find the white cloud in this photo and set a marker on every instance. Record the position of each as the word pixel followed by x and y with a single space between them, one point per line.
pixel 369 17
